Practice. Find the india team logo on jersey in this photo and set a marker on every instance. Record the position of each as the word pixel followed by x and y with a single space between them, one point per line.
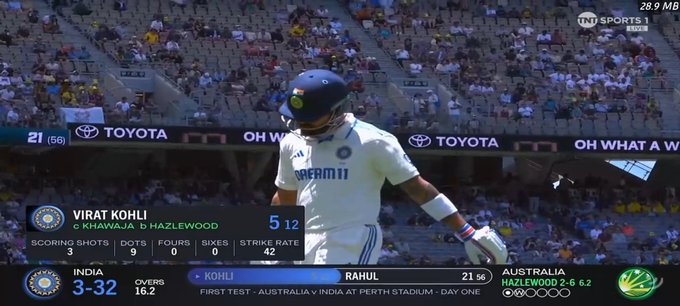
pixel 343 152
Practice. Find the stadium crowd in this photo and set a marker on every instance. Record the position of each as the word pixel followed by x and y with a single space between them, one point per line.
pixel 520 69
pixel 257 61
pixel 589 221
pixel 35 85
pixel 517 62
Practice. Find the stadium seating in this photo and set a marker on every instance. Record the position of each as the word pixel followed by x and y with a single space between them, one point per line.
pixel 217 56
pixel 629 114
pixel 645 108
pixel 24 43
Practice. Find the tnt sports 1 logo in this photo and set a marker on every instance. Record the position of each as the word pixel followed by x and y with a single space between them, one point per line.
pixel 633 24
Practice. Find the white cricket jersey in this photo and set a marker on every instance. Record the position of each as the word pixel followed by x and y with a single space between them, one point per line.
pixel 338 178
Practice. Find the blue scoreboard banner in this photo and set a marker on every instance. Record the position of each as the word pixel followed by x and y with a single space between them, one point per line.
pixel 150 285
pixel 34 137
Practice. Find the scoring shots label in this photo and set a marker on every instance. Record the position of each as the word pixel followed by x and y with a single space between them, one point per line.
pixel 42 284
pixel 47 218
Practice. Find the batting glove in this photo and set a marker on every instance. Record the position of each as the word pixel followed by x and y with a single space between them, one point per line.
pixel 486 247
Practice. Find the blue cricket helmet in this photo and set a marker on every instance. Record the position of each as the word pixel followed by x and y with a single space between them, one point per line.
pixel 313 94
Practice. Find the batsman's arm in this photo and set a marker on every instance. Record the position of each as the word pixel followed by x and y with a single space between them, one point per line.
pixel 286 182
pixel 422 192
pixel 283 197
pixel 481 245
pixel 391 160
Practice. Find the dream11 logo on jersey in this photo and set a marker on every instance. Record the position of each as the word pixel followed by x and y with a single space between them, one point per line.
pixel 633 24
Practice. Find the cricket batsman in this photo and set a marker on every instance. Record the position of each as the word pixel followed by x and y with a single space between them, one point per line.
pixel 335 166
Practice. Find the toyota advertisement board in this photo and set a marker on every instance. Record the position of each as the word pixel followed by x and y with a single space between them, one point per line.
pixel 173 135
pixel 414 141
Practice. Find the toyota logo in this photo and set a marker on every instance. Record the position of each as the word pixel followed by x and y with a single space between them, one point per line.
pixel 87 131
pixel 420 141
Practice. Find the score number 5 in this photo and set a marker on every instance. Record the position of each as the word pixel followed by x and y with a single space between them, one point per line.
pixel 275 224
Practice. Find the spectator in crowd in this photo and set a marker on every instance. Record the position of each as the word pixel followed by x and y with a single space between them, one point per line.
pixel 373 103
pixel 79 54
pixel 205 80
pixel 415 68
pixel 13 118
pixel 152 37
pixel 454 107
pixel 360 112
pixel 578 260
pixel 120 5
pixel 671 233
pixel 32 16
pixel 121 30
pixel 6 37
pixel 402 55
pixel 321 12
pixel 525 30
pixel 544 38
pixel 157 24
pixel 557 38
pixel 81 9
pixel 628 229
pixel 51 24
pixel 473 125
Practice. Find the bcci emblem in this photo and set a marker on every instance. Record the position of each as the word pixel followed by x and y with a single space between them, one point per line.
pixel 42 284
pixel 47 218
pixel 637 283
pixel 296 102
pixel 343 152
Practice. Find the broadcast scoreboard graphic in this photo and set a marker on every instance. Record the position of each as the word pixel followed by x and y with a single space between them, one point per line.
pixel 163 234
pixel 122 285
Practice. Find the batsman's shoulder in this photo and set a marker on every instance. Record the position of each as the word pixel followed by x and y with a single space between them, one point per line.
pixel 288 142
pixel 370 133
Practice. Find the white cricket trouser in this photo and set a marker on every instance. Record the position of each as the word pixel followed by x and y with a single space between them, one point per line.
pixel 355 245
